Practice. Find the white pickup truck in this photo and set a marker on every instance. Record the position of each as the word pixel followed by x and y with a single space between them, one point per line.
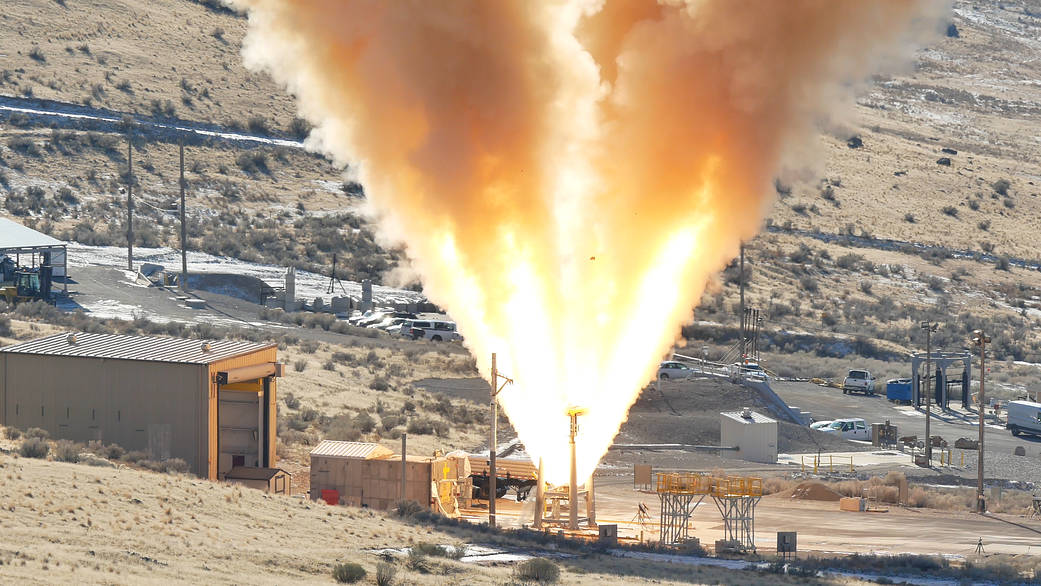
pixel 858 381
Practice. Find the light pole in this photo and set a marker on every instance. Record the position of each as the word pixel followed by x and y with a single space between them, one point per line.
pixel 980 339
pixel 494 440
pixel 929 328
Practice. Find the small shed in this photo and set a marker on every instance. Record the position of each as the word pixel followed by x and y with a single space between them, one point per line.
pixel 753 434
pixel 28 248
pixel 272 480
pixel 368 475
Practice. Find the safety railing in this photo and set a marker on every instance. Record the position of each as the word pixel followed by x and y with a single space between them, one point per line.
pixel 826 463
pixel 718 486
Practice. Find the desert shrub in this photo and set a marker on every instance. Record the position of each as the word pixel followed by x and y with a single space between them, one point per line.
pixel 1009 203
pixel 113 451
pixel 309 346
pixel 299 128
pixel 37 55
pixel 348 573
pixel 253 162
pixel 24 145
pixel 1002 263
pixel 983 225
pixel 34 447
pixel 296 422
pixel 865 287
pixel 808 283
pixel 385 573
pixel 329 365
pixel 5 326
pixel 342 428
pixel 379 384
pixel 309 414
pixel 291 401
pixel 408 509
pixel 909 218
pixel 427 426
pixel 135 456
pixel 13 433
pixel 364 422
pixel 538 570
pixel 799 208
pixel 37 433
pixel 66 451
pixel 974 204
pixel 1001 186
pixel 390 421
pixel 950 211
pixel 300 365
pixel 935 283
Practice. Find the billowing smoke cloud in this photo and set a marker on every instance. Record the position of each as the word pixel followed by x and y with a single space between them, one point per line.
pixel 567 175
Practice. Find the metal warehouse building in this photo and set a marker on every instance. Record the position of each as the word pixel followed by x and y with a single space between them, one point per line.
pixel 211 403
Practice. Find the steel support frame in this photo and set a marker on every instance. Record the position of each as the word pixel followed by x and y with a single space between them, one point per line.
pixel 738 514
pixel 676 511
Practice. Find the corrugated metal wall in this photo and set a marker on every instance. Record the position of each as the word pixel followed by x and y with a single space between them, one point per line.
pixel 146 406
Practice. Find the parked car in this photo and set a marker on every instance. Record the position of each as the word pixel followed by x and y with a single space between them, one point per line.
pixel 740 370
pixel 858 381
pixel 406 327
pixel 438 331
pixel 851 429
pixel 354 319
pixel 820 424
pixel 387 323
pixel 384 316
pixel 674 370
pixel 1024 417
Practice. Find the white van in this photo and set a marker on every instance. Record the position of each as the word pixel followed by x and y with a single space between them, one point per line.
pixel 851 429
pixel 1024 417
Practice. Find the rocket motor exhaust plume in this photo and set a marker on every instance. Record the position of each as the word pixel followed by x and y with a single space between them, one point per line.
pixel 567 175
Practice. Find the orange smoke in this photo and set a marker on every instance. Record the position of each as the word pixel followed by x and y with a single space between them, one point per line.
pixel 567 175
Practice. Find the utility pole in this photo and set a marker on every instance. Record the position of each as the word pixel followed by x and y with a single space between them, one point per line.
pixel 929 328
pixel 980 339
pixel 184 229
pixel 493 444
pixel 130 199
pixel 741 285
pixel 572 494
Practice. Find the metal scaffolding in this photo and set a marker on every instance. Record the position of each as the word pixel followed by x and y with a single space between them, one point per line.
pixel 735 497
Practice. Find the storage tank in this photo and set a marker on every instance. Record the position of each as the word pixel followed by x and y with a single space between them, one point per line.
pixel 754 434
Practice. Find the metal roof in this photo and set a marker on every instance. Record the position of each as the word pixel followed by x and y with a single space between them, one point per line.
pixel 756 417
pixel 146 348
pixel 15 235
pixel 355 450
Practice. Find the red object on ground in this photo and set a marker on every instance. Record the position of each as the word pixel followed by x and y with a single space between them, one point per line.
pixel 331 497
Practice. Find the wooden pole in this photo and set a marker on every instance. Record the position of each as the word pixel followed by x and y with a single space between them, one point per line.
pixel 130 200
pixel 184 229
pixel 981 505
pixel 573 486
pixel 404 474
pixel 492 447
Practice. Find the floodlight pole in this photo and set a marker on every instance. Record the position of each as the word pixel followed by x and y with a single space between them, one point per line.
pixel 929 329
pixel 573 487
pixel 981 339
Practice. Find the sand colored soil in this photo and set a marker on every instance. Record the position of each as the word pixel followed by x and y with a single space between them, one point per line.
pixel 810 490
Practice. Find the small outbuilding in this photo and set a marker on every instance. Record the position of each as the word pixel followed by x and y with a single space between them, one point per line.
pixel 366 475
pixel 272 480
pixel 211 403
pixel 28 248
pixel 753 434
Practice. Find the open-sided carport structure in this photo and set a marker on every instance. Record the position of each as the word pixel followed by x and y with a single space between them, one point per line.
pixel 210 403
pixel 18 241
